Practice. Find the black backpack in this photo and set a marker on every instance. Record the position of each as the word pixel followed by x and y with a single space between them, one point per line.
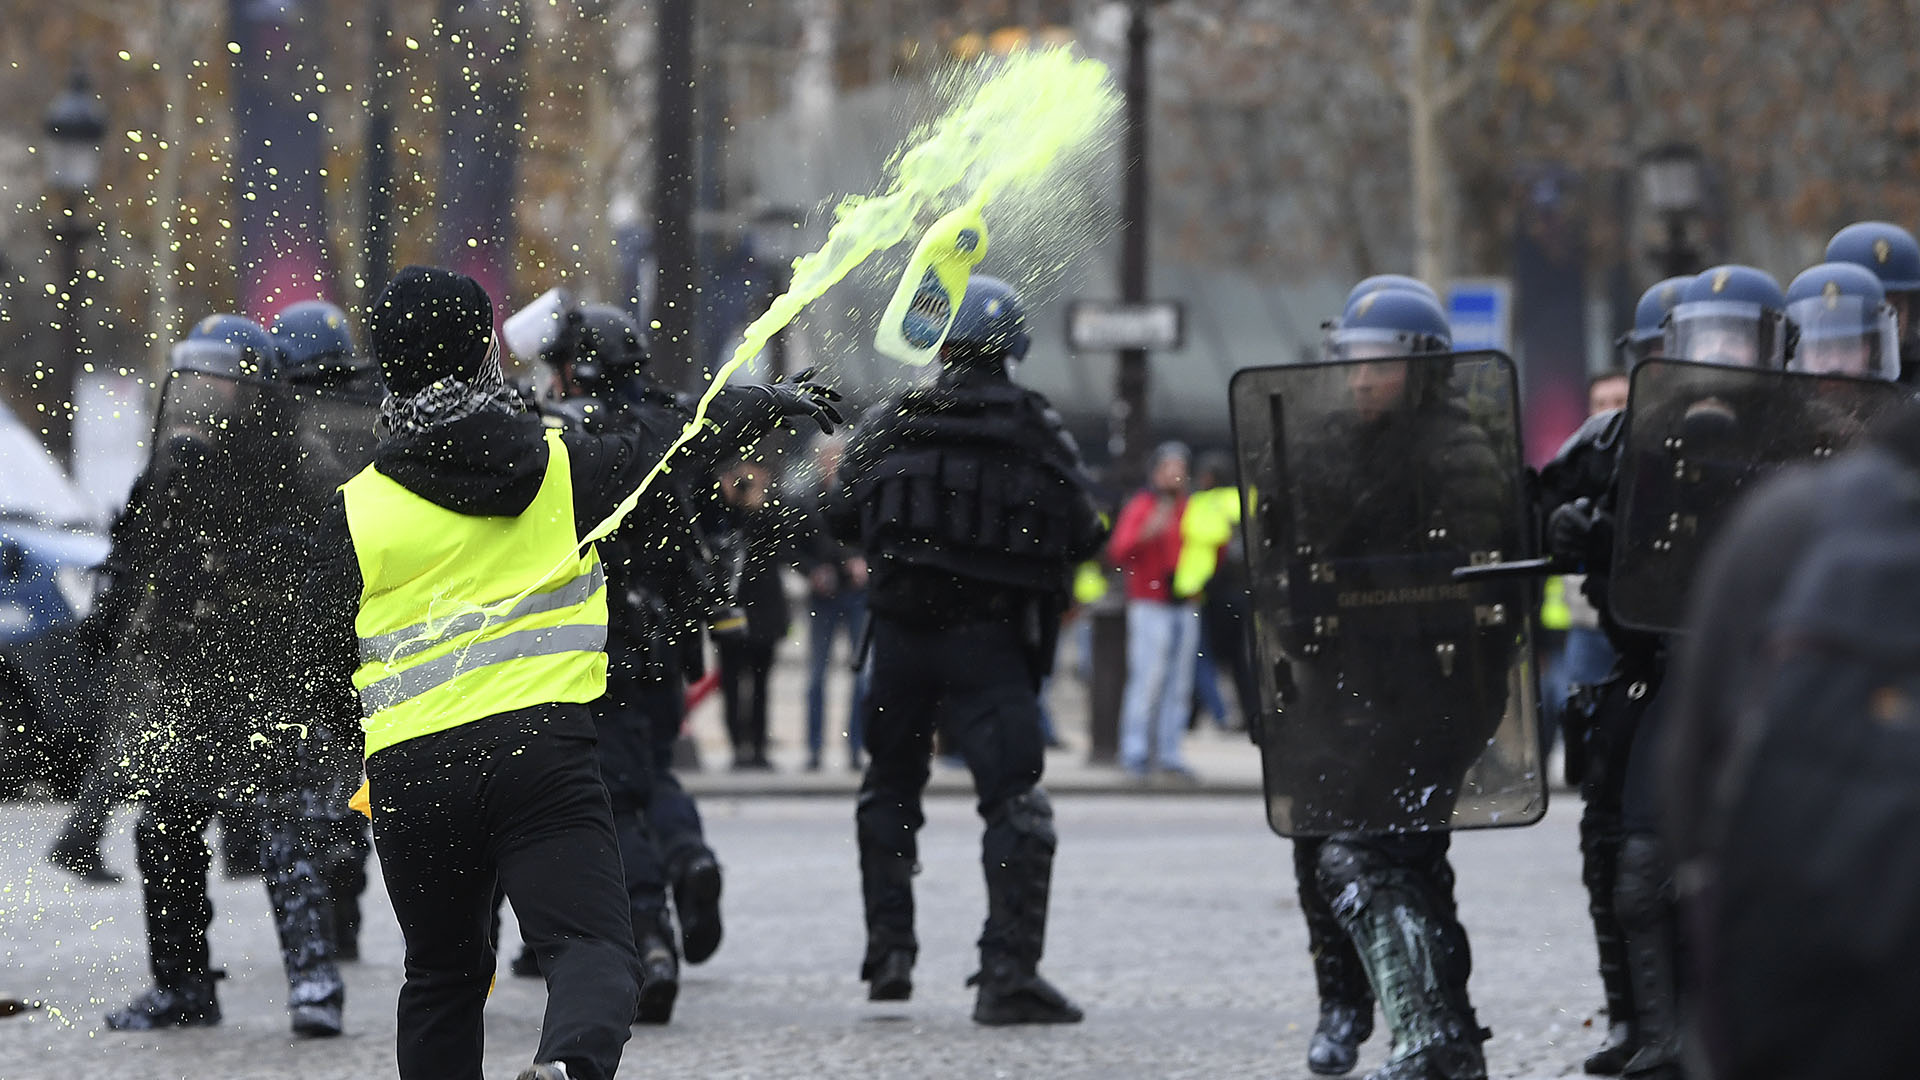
pixel 1811 924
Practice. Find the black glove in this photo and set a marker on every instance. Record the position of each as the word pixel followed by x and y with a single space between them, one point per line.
pixel 1570 530
pixel 804 397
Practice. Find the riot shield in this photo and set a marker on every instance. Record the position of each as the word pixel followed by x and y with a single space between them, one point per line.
pixel 1698 437
pixel 1395 699
pixel 215 543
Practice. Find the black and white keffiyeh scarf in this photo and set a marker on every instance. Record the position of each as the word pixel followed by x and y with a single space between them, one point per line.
pixel 447 400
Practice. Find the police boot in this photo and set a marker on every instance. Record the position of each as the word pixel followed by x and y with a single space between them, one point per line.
pixel 696 899
pixel 1336 1039
pixel 544 1070
pixel 1012 992
pixel 1412 961
pixel 190 1002
pixel 659 968
pixel 1644 899
pixel 891 977
pixel 1017 855
pixel 525 963
pixel 79 854
pixel 1600 851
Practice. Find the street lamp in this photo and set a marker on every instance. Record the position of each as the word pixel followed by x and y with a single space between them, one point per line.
pixel 1673 186
pixel 774 236
pixel 74 126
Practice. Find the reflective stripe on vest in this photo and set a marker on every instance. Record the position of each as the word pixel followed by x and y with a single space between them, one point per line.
pixel 465 616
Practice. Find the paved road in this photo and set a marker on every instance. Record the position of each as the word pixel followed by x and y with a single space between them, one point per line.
pixel 1174 924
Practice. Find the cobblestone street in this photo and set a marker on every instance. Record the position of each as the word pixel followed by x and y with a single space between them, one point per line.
pixel 1174 924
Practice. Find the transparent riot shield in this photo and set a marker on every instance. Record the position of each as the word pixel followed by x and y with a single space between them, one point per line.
pixel 1698 437
pixel 1396 699
pixel 214 541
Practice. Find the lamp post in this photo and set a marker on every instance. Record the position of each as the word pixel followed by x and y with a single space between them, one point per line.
pixel 1673 187
pixel 74 127
pixel 774 233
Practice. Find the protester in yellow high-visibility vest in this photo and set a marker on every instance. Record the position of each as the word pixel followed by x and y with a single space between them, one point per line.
pixel 1211 569
pixel 474 624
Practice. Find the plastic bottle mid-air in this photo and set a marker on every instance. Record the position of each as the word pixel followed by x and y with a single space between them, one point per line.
pixel 921 312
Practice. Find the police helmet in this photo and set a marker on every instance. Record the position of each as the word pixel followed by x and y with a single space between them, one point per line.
pixel 1882 247
pixel 1389 281
pixel 227 345
pixel 609 346
pixel 1843 323
pixel 314 336
pixel 991 318
pixel 1390 322
pixel 1648 317
pixel 1732 315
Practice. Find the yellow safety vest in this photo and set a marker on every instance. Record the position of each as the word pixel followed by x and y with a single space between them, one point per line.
pixel 1205 527
pixel 437 647
pixel 1554 612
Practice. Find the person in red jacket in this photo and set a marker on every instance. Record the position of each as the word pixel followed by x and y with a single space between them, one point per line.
pixel 1163 633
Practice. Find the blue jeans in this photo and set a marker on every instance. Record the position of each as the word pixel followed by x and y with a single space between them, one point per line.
pixel 1163 642
pixel 843 611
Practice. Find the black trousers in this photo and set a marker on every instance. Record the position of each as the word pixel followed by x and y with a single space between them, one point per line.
pixel 973 683
pixel 746 668
pixel 655 819
pixel 517 799
pixel 170 846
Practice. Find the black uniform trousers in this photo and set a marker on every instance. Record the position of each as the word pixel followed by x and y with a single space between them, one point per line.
pixel 659 829
pixel 974 682
pixel 170 847
pixel 514 798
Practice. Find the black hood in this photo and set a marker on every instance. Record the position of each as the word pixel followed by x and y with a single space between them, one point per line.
pixel 485 464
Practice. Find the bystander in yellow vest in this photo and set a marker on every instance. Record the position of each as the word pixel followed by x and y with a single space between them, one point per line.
pixel 1205 528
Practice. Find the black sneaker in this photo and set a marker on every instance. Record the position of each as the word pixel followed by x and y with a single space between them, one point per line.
pixel 192 1004
pixel 892 977
pixel 1010 996
pixel 544 1070
pixel 320 1020
pixel 696 898
pixel 1336 1041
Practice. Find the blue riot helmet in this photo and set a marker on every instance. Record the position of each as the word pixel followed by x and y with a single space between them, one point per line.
pixel 1843 323
pixel 1649 315
pixel 1389 281
pixel 227 345
pixel 1730 315
pixel 990 324
pixel 1389 322
pixel 1894 257
pixel 1882 247
pixel 314 338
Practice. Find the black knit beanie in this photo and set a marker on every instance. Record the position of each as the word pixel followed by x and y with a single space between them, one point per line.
pixel 430 324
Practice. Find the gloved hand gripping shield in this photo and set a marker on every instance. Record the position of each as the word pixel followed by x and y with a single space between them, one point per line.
pixel 1699 436
pixel 1395 699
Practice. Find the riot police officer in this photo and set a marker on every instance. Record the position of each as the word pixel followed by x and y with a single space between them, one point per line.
pixel 1585 468
pixel 207 559
pixel 1842 323
pixel 972 506
pixel 1733 316
pixel 1379 901
pixel 316 351
pixel 1893 256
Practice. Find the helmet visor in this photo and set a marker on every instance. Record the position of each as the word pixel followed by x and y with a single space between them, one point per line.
pixel 1732 333
pixel 1843 335
pixel 1367 343
pixel 210 356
